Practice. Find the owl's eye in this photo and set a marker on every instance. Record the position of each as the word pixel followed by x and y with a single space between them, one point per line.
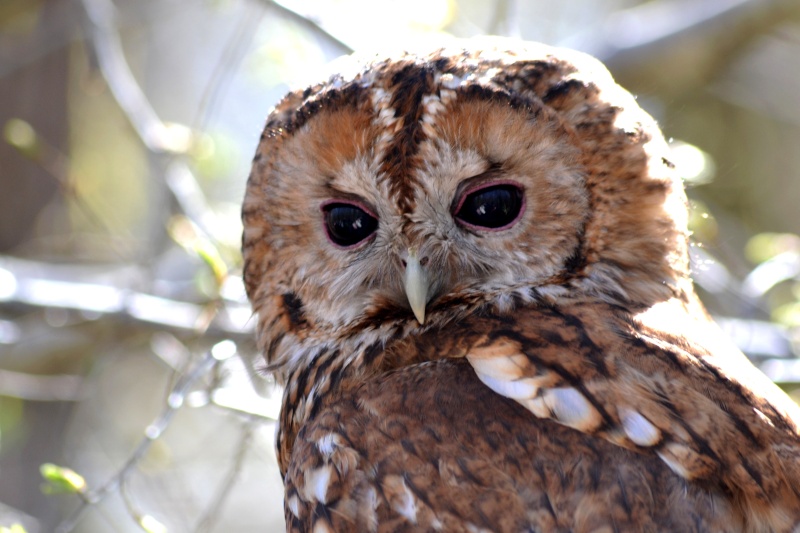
pixel 493 207
pixel 347 224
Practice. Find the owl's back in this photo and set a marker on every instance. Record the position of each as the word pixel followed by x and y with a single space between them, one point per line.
pixel 429 447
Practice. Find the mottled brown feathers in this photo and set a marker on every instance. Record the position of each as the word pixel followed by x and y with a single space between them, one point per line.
pixel 557 372
pixel 443 457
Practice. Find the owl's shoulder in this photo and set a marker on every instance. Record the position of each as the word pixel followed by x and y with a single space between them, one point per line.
pixel 430 447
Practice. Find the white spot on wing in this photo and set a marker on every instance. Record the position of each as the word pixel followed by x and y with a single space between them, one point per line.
pixel 406 506
pixel 294 506
pixel 507 367
pixel 515 389
pixel 640 430
pixel 316 484
pixel 571 408
pixel 537 407
pixel 400 498
pixel 472 528
pixel 367 509
pixel 566 406
pixel 763 417
pixel 322 526
pixel 327 443
pixel 673 464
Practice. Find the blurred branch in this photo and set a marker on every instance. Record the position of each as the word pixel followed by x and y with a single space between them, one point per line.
pixel 661 21
pixel 107 46
pixel 156 135
pixel 18 286
pixel 213 512
pixel 230 59
pixel 679 45
pixel 179 395
pixel 64 388
pixel 306 21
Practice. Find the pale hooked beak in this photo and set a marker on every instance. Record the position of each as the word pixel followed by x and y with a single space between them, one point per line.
pixel 416 284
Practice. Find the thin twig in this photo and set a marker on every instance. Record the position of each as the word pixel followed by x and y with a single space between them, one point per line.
pixel 111 59
pixel 47 288
pixel 230 59
pixel 213 513
pixel 152 433
pixel 305 21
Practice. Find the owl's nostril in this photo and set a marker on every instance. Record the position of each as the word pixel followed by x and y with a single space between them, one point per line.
pixel 422 262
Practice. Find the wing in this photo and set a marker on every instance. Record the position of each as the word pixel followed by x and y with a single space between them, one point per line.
pixel 429 448
pixel 684 397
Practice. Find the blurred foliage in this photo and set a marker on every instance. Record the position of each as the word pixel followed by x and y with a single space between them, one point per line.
pixel 11 421
pixel 61 479
pixel 13 528
pixel 126 350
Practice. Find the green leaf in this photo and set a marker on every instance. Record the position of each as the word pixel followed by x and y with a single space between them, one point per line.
pixel 62 479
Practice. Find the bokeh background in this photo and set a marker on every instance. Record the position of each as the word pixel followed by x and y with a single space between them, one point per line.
pixel 126 352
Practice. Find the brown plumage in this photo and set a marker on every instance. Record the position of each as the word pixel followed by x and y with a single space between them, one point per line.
pixel 470 272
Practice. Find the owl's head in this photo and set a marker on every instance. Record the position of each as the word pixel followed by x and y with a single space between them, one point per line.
pixel 420 189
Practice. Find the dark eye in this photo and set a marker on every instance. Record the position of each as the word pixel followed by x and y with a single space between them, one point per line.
pixel 348 224
pixel 492 207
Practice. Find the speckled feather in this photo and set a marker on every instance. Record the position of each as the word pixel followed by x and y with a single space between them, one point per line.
pixel 566 377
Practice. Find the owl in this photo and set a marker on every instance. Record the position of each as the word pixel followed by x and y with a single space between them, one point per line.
pixel 470 272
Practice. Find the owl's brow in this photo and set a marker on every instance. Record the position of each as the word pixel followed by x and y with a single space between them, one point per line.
pixel 288 122
pixel 401 111
pixel 408 86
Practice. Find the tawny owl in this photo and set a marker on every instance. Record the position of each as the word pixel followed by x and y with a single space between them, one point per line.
pixel 470 272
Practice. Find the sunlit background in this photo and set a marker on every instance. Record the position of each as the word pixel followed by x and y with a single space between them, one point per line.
pixel 130 391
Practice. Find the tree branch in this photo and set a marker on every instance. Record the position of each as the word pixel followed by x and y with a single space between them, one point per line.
pixel 306 22
pixel 677 46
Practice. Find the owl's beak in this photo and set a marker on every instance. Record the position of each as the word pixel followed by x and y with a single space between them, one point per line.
pixel 416 284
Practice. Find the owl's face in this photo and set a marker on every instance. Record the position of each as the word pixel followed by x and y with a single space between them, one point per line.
pixel 426 188
pixel 494 199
